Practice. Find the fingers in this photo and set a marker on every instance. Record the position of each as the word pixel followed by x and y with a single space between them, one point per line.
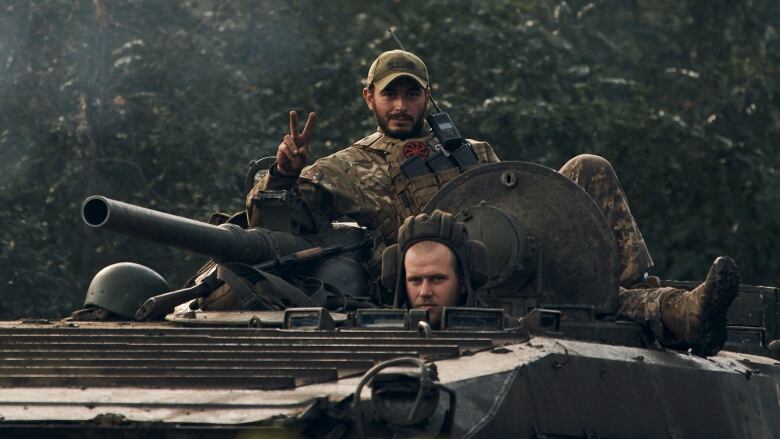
pixel 301 139
pixel 309 126
pixel 293 124
pixel 286 149
pixel 293 152
pixel 303 152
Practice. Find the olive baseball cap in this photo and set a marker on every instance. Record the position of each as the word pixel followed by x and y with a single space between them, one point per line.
pixel 395 64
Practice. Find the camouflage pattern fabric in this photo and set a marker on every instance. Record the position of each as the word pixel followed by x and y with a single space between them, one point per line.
pixel 695 319
pixel 596 175
pixel 357 182
pixel 646 306
pixel 641 300
pixel 360 182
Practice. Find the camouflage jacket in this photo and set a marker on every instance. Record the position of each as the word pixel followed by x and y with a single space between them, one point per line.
pixel 363 182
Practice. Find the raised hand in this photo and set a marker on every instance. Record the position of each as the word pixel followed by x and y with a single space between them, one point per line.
pixel 293 152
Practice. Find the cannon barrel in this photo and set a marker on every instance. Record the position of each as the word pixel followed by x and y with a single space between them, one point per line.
pixel 224 243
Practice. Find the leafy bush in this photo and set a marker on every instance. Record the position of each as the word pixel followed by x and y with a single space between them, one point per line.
pixel 163 103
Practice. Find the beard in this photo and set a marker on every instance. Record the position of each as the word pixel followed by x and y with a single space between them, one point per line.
pixel 415 130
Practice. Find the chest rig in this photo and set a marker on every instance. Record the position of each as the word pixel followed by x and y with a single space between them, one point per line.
pixel 417 168
pixel 417 173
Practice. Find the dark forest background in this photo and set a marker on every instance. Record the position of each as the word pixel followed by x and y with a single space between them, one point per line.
pixel 164 103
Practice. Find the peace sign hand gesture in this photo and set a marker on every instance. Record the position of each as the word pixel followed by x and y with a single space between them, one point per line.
pixel 293 152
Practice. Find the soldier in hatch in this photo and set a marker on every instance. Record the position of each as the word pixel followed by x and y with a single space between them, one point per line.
pixel 435 265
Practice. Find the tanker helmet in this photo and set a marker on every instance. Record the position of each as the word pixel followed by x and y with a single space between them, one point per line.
pixel 471 255
pixel 122 288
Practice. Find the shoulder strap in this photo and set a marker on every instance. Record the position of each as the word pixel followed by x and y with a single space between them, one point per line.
pixel 369 140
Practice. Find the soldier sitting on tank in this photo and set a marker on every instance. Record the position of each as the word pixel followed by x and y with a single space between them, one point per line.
pixel 435 265
pixel 364 181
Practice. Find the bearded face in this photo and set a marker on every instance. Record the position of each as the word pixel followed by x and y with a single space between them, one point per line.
pixel 399 108
pixel 400 125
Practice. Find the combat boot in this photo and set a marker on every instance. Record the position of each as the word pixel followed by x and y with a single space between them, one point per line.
pixel 698 317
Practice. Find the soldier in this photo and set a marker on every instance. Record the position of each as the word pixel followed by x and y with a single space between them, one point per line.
pixel 364 181
pixel 435 265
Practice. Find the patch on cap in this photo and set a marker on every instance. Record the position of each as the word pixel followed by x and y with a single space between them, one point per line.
pixel 395 64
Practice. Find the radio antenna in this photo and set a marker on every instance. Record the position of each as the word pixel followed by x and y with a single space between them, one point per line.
pixel 400 44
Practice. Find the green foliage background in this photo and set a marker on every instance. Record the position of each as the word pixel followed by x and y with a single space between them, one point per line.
pixel 163 103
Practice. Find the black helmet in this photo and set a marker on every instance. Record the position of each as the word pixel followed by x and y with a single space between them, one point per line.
pixel 472 256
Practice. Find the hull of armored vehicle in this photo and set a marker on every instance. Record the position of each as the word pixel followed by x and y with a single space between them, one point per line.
pixel 564 370
pixel 155 380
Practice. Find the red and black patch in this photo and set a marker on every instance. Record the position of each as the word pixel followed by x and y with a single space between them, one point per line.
pixel 416 149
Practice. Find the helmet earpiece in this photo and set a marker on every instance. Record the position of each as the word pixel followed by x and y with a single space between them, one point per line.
pixel 390 261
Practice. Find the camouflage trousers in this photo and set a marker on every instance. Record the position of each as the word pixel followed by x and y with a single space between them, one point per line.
pixel 640 302
pixel 598 178
pixel 647 306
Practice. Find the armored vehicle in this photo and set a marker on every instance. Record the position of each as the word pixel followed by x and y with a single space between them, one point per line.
pixel 323 358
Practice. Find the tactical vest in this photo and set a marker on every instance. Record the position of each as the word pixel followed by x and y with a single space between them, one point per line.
pixel 411 194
